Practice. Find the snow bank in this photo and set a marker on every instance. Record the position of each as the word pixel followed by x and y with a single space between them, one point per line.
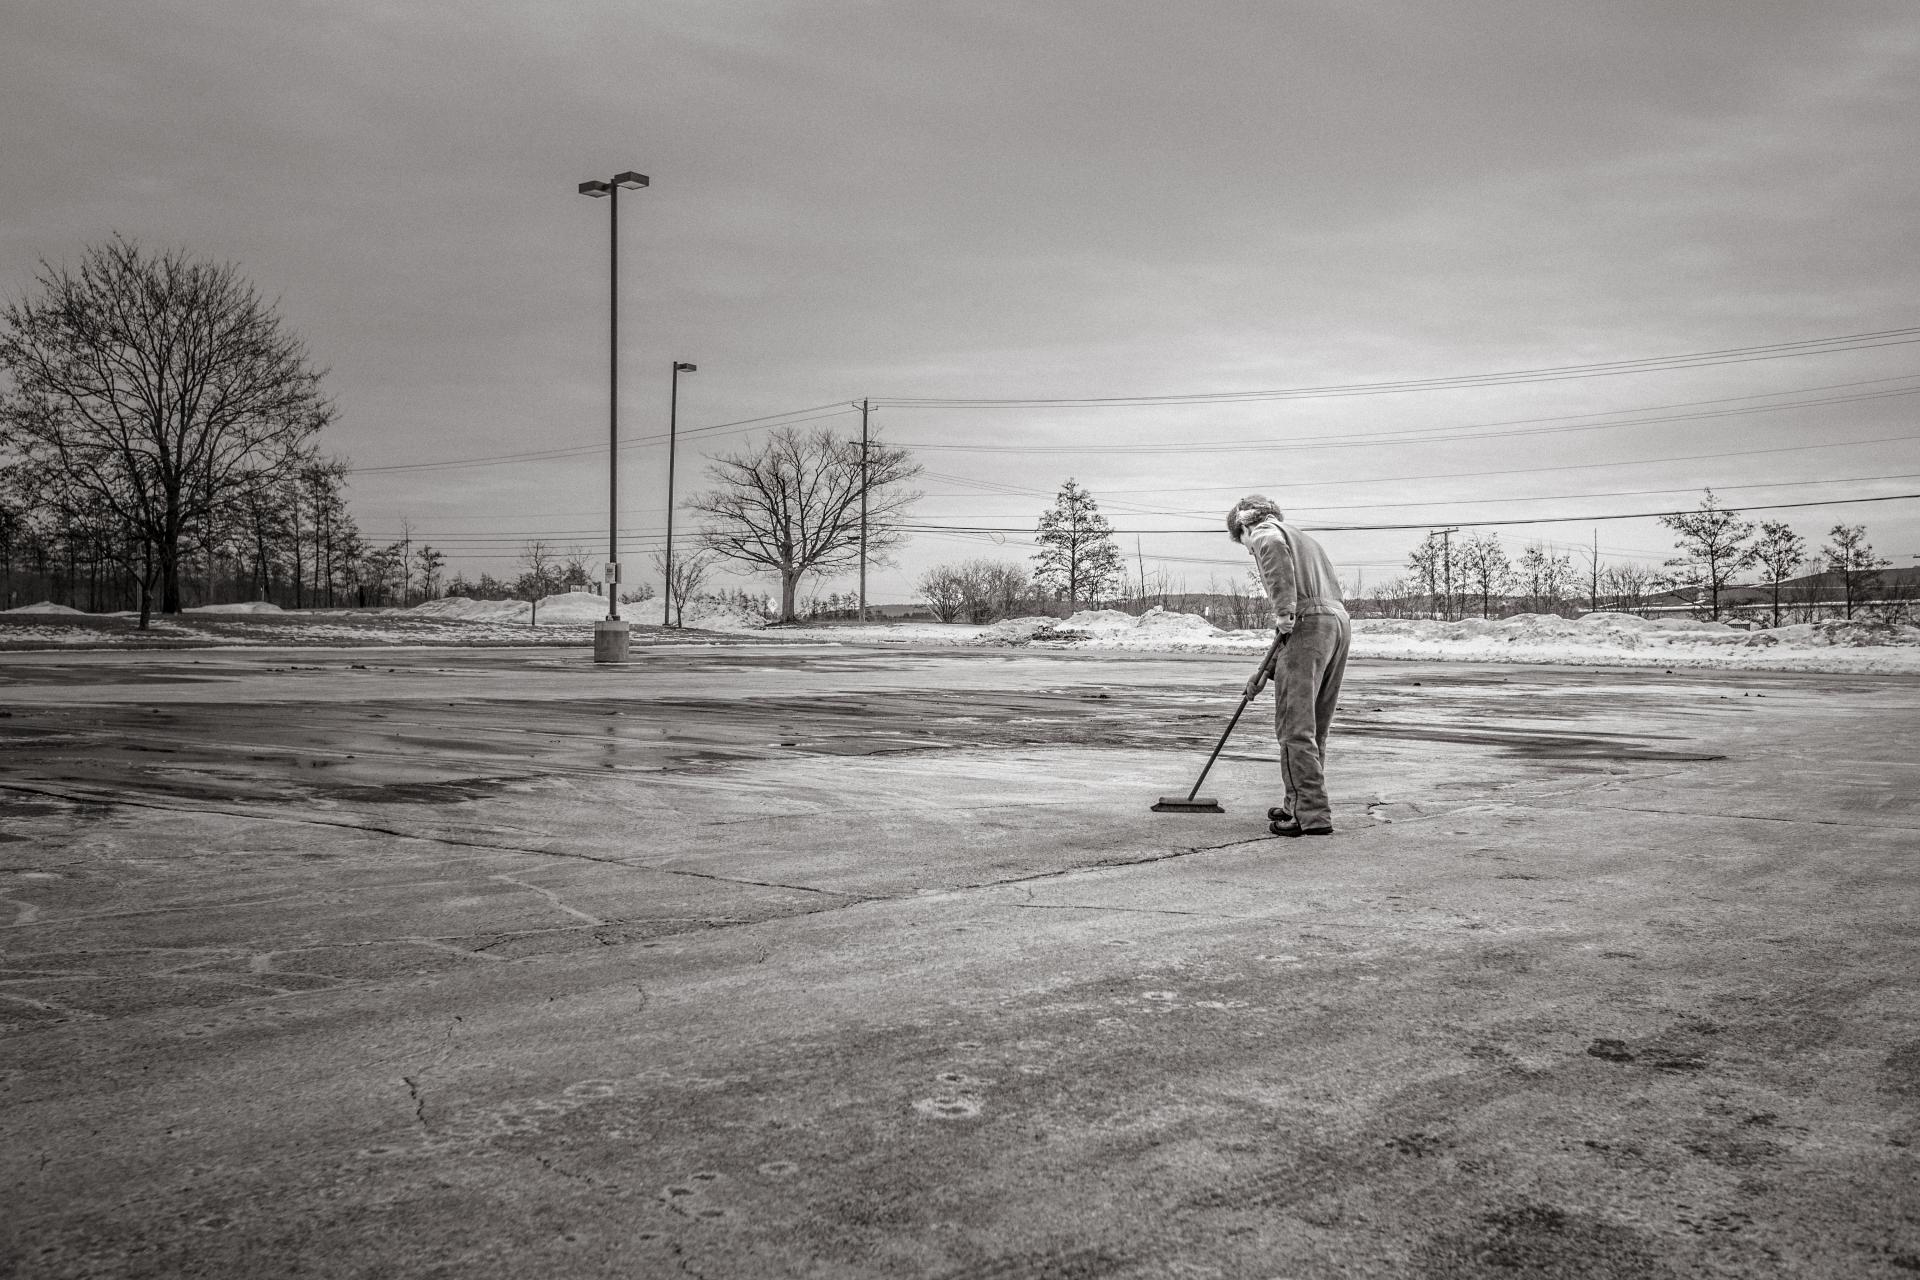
pixel 45 606
pixel 721 615
pixel 1595 639
pixel 246 606
pixel 570 608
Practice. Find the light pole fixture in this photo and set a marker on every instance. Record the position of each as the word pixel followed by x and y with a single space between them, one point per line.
pixel 610 635
pixel 673 422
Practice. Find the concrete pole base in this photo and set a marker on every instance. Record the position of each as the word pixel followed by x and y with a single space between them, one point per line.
pixel 610 640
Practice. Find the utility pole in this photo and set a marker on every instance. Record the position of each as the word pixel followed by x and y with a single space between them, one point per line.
pixel 673 426
pixel 864 405
pixel 1594 592
pixel 1141 561
pixel 1446 569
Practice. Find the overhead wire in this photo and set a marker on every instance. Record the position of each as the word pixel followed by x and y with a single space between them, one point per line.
pixel 1550 373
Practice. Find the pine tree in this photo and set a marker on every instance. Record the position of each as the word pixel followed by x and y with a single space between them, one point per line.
pixel 1078 558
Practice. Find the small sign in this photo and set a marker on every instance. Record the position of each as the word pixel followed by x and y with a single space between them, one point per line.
pixel 607 572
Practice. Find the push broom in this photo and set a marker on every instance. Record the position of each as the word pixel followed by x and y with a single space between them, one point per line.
pixel 1193 801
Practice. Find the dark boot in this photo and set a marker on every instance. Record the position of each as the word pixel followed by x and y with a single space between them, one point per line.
pixel 1292 828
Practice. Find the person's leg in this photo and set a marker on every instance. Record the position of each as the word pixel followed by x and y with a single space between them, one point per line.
pixel 1329 699
pixel 1303 664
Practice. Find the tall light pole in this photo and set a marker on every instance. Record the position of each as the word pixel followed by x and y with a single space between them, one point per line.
pixel 610 635
pixel 673 423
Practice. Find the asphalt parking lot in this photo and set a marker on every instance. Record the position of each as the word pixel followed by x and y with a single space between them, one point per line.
pixel 809 961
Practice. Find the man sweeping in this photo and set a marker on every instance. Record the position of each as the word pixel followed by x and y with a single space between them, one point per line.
pixel 1308 665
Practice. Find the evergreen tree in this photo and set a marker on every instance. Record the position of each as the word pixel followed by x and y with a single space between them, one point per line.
pixel 1078 558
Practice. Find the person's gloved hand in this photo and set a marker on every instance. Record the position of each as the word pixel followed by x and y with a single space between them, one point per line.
pixel 1256 684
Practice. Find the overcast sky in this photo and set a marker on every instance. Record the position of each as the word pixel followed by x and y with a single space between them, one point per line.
pixel 1038 201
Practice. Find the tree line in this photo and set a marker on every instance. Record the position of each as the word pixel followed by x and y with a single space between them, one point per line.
pixel 159 448
pixel 1714 546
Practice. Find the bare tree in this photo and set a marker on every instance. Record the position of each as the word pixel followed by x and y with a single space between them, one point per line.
pixel 542 576
pixel 1627 584
pixel 943 591
pixel 1485 569
pixel 1545 576
pixel 155 385
pixel 1713 547
pixel 991 589
pixel 1778 552
pixel 1851 557
pixel 1426 564
pixel 690 572
pixel 793 505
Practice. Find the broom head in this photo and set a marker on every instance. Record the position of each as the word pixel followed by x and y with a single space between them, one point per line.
pixel 1181 804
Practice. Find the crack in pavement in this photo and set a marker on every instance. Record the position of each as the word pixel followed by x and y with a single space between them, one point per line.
pixel 1144 911
pixel 552 898
pixel 1758 817
pixel 419 1101
pixel 1150 859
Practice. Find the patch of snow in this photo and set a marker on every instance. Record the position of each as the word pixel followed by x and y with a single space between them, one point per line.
pixel 246 606
pixel 569 608
pixel 45 606
pixel 721 615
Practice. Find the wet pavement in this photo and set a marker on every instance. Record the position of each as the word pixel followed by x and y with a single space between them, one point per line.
pixel 810 961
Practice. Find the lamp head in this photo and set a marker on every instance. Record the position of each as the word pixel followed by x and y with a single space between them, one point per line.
pixel 596 188
pixel 630 180
pixel 681 366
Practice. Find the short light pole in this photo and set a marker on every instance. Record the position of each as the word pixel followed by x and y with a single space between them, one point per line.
pixel 610 635
pixel 673 423
pixel 864 409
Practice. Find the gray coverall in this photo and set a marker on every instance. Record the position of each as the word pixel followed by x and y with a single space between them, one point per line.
pixel 1305 591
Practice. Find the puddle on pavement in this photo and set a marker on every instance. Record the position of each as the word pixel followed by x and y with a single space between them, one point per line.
pixel 466 749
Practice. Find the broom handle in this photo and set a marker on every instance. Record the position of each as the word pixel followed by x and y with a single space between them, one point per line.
pixel 1245 698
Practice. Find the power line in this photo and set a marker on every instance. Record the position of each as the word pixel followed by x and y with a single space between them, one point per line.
pixel 586 450
pixel 457 540
pixel 1550 373
pixel 1427 435
pixel 1522 471
pixel 1517 520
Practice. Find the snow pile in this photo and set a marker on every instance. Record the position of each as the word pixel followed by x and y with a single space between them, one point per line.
pixel 1167 625
pixel 1157 628
pixel 245 606
pixel 1606 630
pixel 1595 639
pixel 1014 631
pixel 1852 633
pixel 45 606
pixel 462 609
pixel 570 608
pixel 721 615
pixel 1097 623
pixel 573 608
